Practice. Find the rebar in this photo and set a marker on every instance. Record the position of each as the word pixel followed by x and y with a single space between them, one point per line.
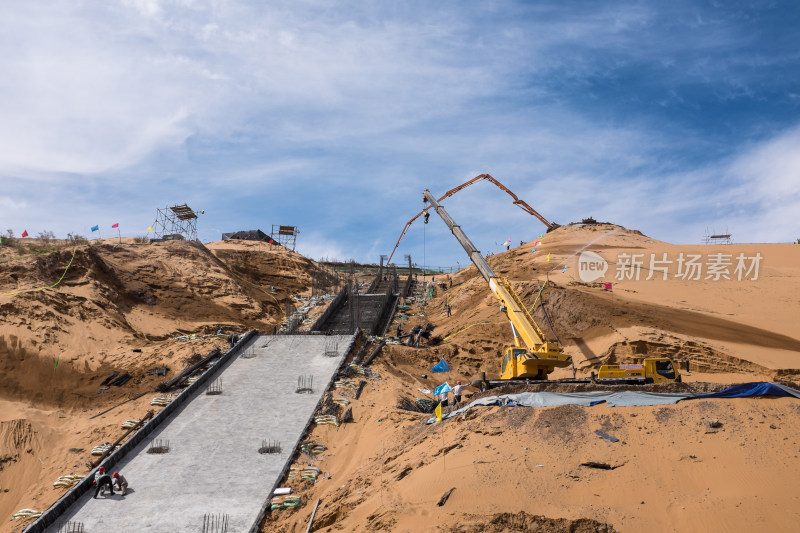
pixel 159 446
pixel 72 527
pixel 217 523
pixel 215 388
pixel 270 446
pixel 331 346
pixel 305 384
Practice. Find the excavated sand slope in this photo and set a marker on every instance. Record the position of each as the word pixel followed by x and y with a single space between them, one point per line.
pixel 671 471
pixel 114 299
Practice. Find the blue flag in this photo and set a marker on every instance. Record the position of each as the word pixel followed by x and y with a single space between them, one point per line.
pixel 95 228
pixel 441 389
pixel 441 366
pixel 534 249
pixel 565 268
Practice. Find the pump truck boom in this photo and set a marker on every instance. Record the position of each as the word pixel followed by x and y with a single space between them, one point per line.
pixel 538 357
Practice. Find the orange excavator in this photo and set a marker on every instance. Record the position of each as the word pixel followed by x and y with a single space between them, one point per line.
pixel 521 203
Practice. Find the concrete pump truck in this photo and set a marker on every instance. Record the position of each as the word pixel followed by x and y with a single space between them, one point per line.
pixel 533 357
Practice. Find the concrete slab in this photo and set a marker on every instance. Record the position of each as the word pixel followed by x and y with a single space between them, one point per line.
pixel 213 465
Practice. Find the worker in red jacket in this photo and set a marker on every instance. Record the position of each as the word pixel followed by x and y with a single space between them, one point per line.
pixel 101 479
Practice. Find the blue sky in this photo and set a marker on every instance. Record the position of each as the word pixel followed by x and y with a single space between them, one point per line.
pixel 667 117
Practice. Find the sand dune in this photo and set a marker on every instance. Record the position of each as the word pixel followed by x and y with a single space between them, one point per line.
pixel 513 469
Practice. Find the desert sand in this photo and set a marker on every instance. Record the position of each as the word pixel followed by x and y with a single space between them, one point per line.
pixel 513 469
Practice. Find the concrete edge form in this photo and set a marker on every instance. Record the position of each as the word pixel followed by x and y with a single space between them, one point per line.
pixel 263 512
pixel 50 516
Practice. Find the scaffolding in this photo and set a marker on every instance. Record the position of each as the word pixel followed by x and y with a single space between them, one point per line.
pixel 286 236
pixel 176 220
pixel 717 238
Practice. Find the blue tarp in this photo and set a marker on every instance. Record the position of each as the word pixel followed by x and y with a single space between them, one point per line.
pixel 441 366
pixel 752 389
pixel 625 398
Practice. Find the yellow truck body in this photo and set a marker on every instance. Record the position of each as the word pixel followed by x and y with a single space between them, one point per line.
pixel 652 369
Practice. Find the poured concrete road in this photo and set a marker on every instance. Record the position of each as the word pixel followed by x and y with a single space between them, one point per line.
pixel 213 465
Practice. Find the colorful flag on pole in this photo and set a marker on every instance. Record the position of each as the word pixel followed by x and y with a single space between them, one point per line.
pixel 606 286
pixel 438 412
pixel 441 366
pixel 541 236
pixel 115 225
pixel 441 389
pixel 56 364
pixel 547 258
pixel 150 229
pixel 534 249
pixel 95 228
pixel 565 268
pixel 25 233
pixel 537 243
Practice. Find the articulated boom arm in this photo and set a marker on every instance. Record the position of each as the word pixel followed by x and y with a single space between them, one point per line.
pixel 521 203
pixel 522 322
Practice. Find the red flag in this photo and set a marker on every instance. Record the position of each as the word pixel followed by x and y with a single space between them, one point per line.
pixel 25 233
pixel 115 225
pixel 607 286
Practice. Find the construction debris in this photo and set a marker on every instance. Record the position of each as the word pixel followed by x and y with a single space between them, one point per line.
pixel 100 449
pixel 26 513
pixel 417 405
pixel 445 496
pixel 67 481
pixel 312 448
pixel 188 372
pixel 330 420
pixel 606 436
pixel 161 401
pixel 308 473
pixel 284 502
pixel 600 466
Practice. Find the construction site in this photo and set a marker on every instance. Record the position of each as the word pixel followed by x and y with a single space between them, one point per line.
pixel 587 379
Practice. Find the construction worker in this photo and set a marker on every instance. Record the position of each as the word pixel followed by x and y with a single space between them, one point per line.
pixel 120 482
pixel 444 398
pixel 447 307
pixel 101 479
pixel 399 330
pixel 457 393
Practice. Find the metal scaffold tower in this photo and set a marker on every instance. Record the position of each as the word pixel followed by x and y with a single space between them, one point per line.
pixel 717 238
pixel 286 236
pixel 176 220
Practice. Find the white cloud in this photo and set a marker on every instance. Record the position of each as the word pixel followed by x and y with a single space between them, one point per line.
pixel 112 108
